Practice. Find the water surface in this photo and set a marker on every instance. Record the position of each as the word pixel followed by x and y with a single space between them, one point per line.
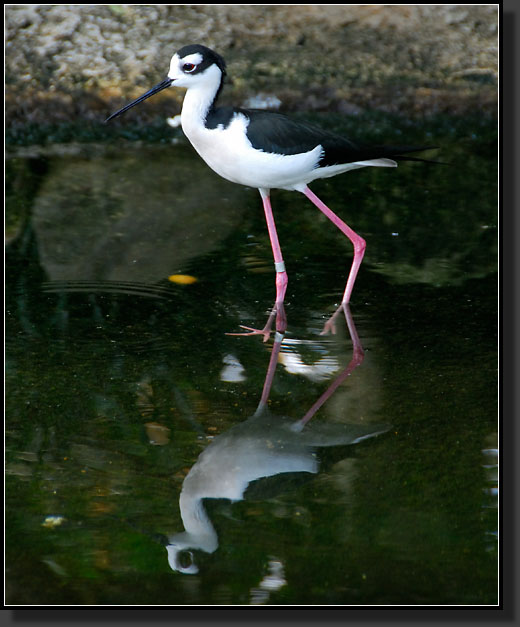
pixel 124 389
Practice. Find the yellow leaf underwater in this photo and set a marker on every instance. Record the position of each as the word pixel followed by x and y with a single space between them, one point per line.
pixel 182 279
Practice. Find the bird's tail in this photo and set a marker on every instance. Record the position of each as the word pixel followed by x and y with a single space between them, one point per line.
pixel 396 153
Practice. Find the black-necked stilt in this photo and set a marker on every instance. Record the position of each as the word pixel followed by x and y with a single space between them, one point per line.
pixel 265 149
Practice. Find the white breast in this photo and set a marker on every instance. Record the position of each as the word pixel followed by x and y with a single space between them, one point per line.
pixel 230 154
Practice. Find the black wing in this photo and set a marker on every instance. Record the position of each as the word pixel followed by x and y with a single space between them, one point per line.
pixel 274 132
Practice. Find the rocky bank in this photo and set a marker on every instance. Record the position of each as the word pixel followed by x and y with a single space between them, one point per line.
pixel 66 62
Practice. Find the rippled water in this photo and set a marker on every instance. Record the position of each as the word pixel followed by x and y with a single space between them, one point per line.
pixel 154 459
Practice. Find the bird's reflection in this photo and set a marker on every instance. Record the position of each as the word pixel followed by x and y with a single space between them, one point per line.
pixel 263 446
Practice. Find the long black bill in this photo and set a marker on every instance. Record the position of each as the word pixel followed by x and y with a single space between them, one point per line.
pixel 155 90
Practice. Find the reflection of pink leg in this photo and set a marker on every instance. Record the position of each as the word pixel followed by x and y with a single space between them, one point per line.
pixel 357 241
pixel 357 359
pixel 281 277
pixel 273 362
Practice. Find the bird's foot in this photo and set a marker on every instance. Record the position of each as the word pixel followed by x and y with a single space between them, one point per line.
pixel 266 332
pixel 330 325
pixel 277 313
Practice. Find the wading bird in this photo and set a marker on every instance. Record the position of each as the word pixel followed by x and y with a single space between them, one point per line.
pixel 266 150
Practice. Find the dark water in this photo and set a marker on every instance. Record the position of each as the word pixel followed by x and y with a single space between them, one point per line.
pixel 123 388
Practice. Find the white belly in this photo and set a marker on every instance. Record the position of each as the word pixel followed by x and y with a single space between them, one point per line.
pixel 230 154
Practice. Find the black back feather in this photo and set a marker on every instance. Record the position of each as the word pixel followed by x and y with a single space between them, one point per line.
pixel 276 133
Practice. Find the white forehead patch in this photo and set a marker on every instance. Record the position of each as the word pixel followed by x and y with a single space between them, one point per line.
pixel 176 63
pixel 194 58
pixel 174 66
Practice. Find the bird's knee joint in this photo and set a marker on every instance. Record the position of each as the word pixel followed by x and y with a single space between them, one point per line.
pixel 360 245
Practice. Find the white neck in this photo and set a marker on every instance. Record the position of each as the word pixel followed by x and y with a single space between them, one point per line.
pixel 199 99
pixel 197 523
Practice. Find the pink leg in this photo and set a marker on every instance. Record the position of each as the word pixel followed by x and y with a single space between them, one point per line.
pixel 281 276
pixel 358 242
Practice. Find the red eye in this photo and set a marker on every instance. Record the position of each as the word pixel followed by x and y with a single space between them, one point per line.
pixel 188 67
